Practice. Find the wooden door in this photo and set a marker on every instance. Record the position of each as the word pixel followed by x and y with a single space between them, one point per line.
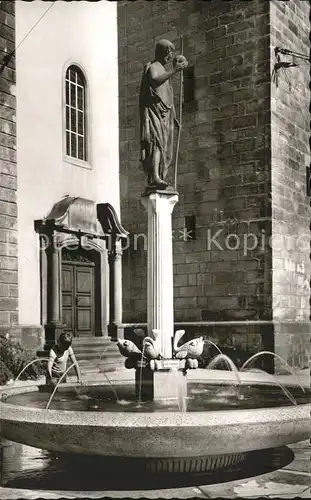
pixel 78 311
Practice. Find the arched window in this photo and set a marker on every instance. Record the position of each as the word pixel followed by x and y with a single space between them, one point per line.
pixel 76 132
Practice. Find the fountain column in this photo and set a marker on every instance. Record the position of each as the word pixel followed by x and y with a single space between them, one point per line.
pixel 159 206
pixel 157 123
pixel 160 383
pixel 115 289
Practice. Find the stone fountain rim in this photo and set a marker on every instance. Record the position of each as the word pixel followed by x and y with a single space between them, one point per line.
pixel 218 418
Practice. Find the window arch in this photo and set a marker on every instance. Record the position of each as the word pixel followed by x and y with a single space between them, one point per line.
pixel 75 103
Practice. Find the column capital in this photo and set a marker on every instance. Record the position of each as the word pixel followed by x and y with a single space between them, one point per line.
pixel 115 253
pixel 160 200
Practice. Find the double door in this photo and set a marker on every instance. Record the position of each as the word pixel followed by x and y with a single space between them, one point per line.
pixel 78 304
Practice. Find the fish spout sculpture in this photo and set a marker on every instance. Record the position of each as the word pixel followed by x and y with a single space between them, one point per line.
pixel 151 349
pixel 190 350
pixel 128 349
pixel 152 346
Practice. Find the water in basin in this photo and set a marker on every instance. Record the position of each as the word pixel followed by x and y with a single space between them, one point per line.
pixel 201 397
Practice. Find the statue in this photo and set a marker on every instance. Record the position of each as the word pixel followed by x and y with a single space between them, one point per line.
pixel 157 114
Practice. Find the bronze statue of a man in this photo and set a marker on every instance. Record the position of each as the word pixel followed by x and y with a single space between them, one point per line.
pixel 157 114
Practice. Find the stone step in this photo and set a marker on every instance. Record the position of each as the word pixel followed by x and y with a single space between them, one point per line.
pixel 96 354
pixel 86 368
pixel 88 356
pixel 93 356
pixel 82 341
pixel 113 357
pixel 98 351
pixel 91 348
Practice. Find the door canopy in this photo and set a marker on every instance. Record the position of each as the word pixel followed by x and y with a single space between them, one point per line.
pixel 80 216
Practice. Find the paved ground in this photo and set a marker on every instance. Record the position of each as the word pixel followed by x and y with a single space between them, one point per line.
pixel 291 481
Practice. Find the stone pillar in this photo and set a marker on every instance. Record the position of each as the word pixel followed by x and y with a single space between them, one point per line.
pixel 115 288
pixel 159 206
pixel 53 326
pixel 118 283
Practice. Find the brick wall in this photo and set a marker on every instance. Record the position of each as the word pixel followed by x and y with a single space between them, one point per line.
pixel 290 154
pixel 224 168
pixel 8 174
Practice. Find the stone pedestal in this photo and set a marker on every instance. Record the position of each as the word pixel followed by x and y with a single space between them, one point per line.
pixel 166 382
pixel 159 206
pixel 169 383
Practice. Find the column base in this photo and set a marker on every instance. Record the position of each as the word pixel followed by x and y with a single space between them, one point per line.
pixel 115 332
pixel 52 333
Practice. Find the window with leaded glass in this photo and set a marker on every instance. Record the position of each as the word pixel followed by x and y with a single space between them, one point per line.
pixel 76 133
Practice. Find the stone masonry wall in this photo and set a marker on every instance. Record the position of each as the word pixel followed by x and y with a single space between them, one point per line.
pixel 290 155
pixel 8 174
pixel 224 161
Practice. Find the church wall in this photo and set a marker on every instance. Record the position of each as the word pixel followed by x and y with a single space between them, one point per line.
pixel 290 155
pixel 223 168
pixel 241 171
pixel 8 172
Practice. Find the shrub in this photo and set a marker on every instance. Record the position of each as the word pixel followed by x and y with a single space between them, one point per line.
pixel 14 358
pixel 5 373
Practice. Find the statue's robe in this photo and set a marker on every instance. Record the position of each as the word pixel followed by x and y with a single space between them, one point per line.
pixel 157 113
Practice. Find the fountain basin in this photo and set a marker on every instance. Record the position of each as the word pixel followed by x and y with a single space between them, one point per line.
pixel 195 441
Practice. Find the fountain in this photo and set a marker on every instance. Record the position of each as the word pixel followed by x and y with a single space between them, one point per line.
pixel 174 419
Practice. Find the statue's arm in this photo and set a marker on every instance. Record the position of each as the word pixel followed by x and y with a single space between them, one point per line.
pixel 158 77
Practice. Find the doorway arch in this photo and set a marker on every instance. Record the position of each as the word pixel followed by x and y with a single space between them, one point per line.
pixel 77 237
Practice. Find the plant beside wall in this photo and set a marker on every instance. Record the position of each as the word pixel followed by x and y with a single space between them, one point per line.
pixel 5 373
pixel 13 358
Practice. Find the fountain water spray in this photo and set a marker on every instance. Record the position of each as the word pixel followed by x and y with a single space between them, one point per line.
pixel 181 390
pixel 141 376
pixel 58 383
pixel 29 364
pixel 206 341
pixel 106 349
pixel 112 388
pixel 276 381
pixel 252 358
pixel 230 364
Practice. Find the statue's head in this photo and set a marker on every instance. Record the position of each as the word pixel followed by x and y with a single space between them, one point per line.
pixel 164 51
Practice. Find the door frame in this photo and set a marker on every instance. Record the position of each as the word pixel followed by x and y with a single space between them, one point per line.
pixel 97 254
pixel 97 248
pixel 94 320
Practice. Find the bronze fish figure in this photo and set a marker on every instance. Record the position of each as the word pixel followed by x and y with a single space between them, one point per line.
pixel 191 349
pixel 128 348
